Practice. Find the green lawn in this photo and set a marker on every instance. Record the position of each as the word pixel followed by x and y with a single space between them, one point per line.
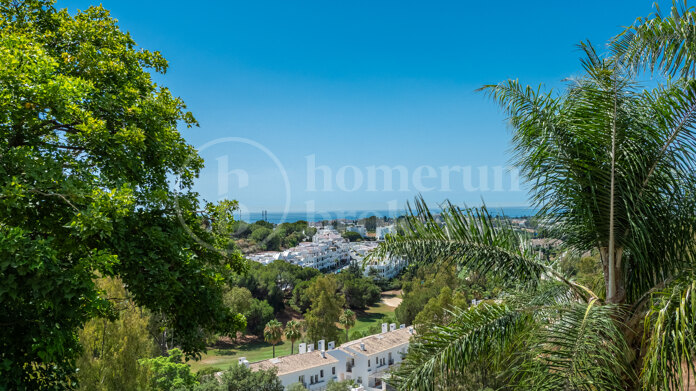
pixel 373 316
pixel 256 351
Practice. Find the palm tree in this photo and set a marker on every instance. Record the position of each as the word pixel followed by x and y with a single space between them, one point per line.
pixel 273 333
pixel 347 320
pixel 610 170
pixel 293 332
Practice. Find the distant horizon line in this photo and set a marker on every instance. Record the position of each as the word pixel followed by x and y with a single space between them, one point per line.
pixel 383 210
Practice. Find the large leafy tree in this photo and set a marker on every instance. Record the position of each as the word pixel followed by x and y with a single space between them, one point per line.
pixel 610 166
pixel 326 308
pixel 88 146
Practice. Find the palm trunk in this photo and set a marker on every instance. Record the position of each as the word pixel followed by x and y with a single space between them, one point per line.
pixel 611 277
pixel 613 274
pixel 292 347
pixel 273 351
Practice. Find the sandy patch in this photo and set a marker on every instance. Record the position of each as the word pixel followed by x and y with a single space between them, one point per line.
pixel 392 298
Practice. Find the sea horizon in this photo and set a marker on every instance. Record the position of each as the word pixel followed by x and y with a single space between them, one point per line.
pixel 310 216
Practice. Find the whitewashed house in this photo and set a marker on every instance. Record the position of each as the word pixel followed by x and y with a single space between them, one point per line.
pixel 359 229
pixel 366 360
pixel 381 232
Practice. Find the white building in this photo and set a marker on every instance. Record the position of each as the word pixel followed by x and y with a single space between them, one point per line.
pixel 265 257
pixel 386 268
pixel 381 232
pixel 313 369
pixel 366 361
pixel 327 250
pixel 359 229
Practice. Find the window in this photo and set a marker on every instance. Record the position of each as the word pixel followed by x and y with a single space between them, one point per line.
pixel 368 363
pixel 301 379
pixel 333 370
pixel 321 373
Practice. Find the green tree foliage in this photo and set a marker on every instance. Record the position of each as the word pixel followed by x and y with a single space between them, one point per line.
pixel 296 387
pixel 439 309
pixel 301 300
pixel 352 236
pixel 358 291
pixel 260 313
pixel 293 332
pixel 238 299
pixel 260 234
pixel 273 282
pixel 273 333
pixel 265 236
pixel 112 348
pixel 325 310
pixel 423 286
pixel 169 373
pixel 88 145
pixel 241 378
pixel 370 223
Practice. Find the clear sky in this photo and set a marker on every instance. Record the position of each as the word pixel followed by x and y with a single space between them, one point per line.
pixel 281 88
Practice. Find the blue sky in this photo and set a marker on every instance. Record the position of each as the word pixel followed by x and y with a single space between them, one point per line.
pixel 358 84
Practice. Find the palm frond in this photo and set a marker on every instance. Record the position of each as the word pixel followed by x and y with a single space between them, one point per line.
pixel 468 237
pixel 670 340
pixel 664 42
pixel 442 356
pixel 580 348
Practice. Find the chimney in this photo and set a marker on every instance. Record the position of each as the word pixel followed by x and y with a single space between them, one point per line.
pixel 321 345
pixel 332 345
pixel 384 328
pixel 244 361
pixel 323 354
pixel 303 348
pixel 362 346
pixel 410 329
pixel 392 327
pixel 402 326
pixel 310 347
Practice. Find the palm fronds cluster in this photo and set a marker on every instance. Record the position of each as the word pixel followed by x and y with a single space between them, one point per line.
pixel 610 167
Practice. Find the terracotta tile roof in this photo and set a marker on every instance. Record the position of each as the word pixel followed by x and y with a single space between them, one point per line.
pixel 295 362
pixel 379 342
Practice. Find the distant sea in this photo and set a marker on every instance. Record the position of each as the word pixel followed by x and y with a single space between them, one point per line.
pixel 291 217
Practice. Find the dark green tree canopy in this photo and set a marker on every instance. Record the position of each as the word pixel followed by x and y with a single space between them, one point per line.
pixel 88 147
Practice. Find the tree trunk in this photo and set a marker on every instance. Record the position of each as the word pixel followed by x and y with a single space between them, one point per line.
pixel 613 275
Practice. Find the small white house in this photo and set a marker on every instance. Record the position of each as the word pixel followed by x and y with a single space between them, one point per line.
pixel 313 369
pixel 359 229
pixel 366 360
pixel 381 232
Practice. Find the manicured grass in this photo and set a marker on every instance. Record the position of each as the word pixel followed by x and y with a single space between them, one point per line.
pixel 257 351
pixel 373 316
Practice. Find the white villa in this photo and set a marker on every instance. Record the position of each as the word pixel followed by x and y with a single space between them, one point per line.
pixel 366 360
pixel 381 232
pixel 359 229
pixel 329 251
pixel 326 251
